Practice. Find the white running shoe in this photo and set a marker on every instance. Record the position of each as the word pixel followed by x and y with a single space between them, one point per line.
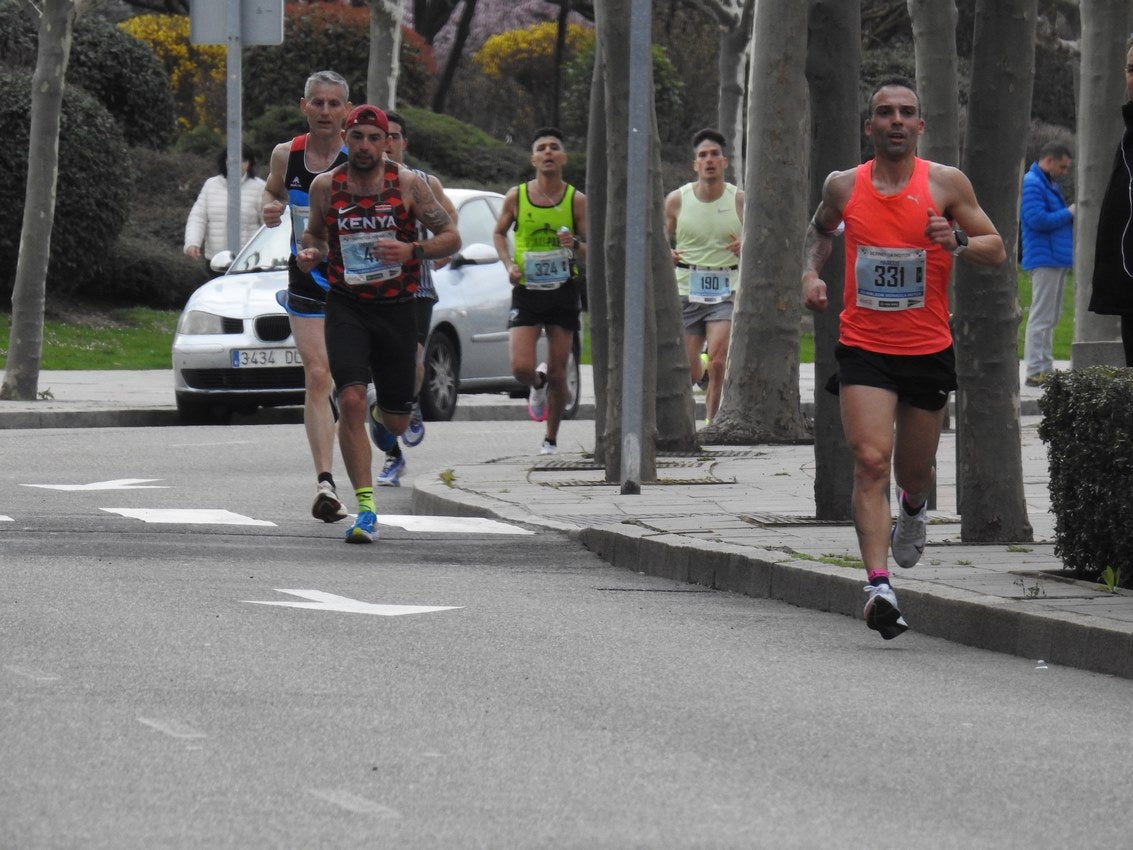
pixel 390 476
pixel 415 433
pixel 548 448
pixel 881 612
pixel 537 398
pixel 327 507
pixel 907 539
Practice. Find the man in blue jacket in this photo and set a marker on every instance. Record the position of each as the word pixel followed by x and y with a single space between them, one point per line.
pixel 1048 254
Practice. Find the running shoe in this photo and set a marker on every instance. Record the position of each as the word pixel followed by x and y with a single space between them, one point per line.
pixel 379 434
pixel 703 382
pixel 907 539
pixel 327 507
pixel 537 399
pixel 364 529
pixel 390 476
pixel 415 433
pixel 548 448
pixel 881 612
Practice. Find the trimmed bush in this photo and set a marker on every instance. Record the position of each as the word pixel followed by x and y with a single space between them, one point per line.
pixel 461 154
pixel 92 191
pixel 127 78
pixel 1088 427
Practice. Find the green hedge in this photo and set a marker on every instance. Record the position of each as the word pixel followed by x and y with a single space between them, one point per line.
pixel 461 154
pixel 93 186
pixel 1088 427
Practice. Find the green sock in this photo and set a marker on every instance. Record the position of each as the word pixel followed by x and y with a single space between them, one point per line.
pixel 365 496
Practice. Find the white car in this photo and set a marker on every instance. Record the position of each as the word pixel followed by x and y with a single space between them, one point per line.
pixel 233 349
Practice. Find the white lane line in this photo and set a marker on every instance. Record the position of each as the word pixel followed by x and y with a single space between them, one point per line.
pixel 451 524
pixel 172 728
pixel 6 519
pixel 116 484
pixel 354 803
pixel 322 601
pixel 30 673
pixel 187 516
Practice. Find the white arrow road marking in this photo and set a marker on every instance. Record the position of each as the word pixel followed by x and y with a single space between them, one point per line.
pixel 6 519
pixel 329 602
pixel 173 728
pixel 354 803
pixel 116 484
pixel 452 524
pixel 187 516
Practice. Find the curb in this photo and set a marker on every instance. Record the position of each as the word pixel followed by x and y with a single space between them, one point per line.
pixel 959 616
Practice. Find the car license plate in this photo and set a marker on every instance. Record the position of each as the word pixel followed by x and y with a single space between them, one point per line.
pixel 265 358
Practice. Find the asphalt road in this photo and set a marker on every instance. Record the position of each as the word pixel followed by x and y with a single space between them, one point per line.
pixel 148 697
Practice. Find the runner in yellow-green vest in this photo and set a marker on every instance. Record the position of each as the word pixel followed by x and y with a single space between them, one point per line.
pixel 704 223
pixel 549 217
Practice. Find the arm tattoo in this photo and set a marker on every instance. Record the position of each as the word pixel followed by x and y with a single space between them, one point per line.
pixel 427 209
pixel 816 249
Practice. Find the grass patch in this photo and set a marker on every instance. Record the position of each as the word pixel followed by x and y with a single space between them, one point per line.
pixel 128 338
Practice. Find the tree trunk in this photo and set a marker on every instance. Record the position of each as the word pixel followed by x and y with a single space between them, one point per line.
pixel 385 50
pixel 760 402
pixel 833 69
pixel 735 47
pixel 444 84
pixel 29 290
pixel 614 33
pixel 934 34
pixel 986 319
pixel 597 163
pixel 1105 26
pixel 560 51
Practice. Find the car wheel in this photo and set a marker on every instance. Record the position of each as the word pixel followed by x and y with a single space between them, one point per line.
pixel 196 411
pixel 574 381
pixel 442 378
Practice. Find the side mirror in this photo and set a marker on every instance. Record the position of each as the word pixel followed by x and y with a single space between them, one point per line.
pixel 221 260
pixel 476 254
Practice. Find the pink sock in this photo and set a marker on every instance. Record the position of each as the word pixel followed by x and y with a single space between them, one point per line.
pixel 872 574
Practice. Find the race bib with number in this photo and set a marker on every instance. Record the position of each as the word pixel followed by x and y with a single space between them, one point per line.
pixel 709 286
pixel 546 269
pixel 890 278
pixel 359 265
pixel 299 216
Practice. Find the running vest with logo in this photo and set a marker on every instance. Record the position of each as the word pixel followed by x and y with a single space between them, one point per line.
pixel 704 231
pixel 537 233
pixel 354 223
pixel 896 293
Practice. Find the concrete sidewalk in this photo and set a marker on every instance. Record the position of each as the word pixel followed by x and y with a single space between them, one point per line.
pixel 737 519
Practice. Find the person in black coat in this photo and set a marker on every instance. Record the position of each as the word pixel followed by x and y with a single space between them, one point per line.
pixel 1113 253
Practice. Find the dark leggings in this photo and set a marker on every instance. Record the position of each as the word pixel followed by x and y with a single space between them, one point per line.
pixel 1127 337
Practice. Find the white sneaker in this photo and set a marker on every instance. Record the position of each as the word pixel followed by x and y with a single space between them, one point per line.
pixel 907 539
pixel 548 448
pixel 881 612
pixel 537 398
pixel 327 507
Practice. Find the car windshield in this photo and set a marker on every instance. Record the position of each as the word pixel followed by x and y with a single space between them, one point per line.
pixel 267 250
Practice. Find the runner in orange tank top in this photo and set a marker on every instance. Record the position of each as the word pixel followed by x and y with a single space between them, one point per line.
pixel 905 220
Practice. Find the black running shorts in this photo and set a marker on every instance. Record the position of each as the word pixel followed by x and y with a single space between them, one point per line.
pixel 542 307
pixel 368 341
pixel 922 381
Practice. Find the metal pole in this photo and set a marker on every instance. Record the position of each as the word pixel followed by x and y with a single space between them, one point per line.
pixel 637 200
pixel 233 73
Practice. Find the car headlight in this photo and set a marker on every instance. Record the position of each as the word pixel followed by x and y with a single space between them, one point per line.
pixel 200 322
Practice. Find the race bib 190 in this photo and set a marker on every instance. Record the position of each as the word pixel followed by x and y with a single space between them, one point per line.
pixel 709 286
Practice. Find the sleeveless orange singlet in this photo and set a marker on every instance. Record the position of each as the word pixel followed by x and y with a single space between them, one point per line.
pixel 902 304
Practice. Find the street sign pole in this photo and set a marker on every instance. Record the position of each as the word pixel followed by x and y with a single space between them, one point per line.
pixel 234 79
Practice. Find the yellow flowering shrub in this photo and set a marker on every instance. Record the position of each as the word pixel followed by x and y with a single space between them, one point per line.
pixel 196 71
pixel 528 53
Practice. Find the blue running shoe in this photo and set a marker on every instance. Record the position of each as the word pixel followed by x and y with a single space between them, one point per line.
pixel 364 529
pixel 381 436
pixel 390 476
pixel 415 433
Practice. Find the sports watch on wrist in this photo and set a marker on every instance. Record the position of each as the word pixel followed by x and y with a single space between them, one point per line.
pixel 961 241
pixel 418 251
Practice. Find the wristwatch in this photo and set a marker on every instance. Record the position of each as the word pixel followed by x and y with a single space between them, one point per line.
pixel 961 241
pixel 418 251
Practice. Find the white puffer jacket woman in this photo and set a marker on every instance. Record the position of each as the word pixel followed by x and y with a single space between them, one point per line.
pixel 206 231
